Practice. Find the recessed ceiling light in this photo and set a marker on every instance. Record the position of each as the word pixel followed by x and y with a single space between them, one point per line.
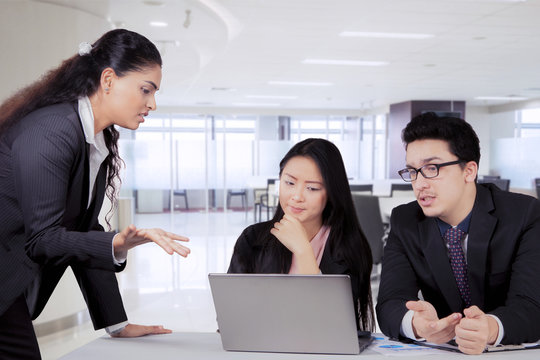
pixel 385 35
pixel 255 104
pixel 344 62
pixel 153 3
pixel 225 89
pixel 300 83
pixel 500 98
pixel 283 97
pixel 158 24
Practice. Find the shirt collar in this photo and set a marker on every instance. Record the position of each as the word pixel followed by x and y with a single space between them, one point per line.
pixel 463 226
pixel 87 119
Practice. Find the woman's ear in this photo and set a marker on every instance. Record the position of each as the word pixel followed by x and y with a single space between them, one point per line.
pixel 107 79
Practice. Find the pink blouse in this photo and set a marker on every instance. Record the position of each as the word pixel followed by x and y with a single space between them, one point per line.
pixel 317 244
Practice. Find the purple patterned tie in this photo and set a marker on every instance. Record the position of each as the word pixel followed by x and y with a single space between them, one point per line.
pixel 453 238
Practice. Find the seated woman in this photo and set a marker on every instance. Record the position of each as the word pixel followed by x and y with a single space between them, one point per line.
pixel 314 229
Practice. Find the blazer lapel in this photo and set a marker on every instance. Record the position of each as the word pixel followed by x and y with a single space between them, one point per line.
pixel 436 255
pixel 481 230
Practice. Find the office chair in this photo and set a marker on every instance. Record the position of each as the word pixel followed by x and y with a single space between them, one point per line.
pixel 240 192
pixel 181 193
pixel 269 200
pixel 369 216
pixel 400 187
pixel 503 184
pixel 367 189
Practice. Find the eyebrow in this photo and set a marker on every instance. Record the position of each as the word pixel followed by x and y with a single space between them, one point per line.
pixel 426 161
pixel 152 83
pixel 308 181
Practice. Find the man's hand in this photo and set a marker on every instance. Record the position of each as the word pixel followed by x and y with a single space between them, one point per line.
pixel 475 331
pixel 131 237
pixel 427 325
pixel 133 330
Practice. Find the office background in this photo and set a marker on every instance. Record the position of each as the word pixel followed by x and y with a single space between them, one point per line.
pixel 244 80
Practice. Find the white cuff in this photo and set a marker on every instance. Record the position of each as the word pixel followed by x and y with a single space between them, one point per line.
pixel 501 330
pixel 406 328
pixel 115 329
pixel 119 261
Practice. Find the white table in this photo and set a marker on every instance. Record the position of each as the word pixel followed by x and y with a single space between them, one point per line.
pixel 194 346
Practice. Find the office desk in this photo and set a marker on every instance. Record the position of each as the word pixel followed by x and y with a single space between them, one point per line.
pixel 195 346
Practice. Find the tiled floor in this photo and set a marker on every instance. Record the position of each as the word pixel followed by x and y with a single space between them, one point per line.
pixel 160 289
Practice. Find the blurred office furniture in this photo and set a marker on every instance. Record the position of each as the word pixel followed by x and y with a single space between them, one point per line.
pixel 503 184
pixel 366 189
pixel 537 184
pixel 269 200
pixel 237 192
pixel 180 193
pixel 369 216
pixel 405 187
pixel 488 178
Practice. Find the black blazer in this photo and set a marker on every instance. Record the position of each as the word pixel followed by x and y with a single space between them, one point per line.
pixel 252 256
pixel 503 258
pixel 45 224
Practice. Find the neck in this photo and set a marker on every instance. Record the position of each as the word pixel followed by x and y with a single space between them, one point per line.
pixel 312 229
pixel 466 204
pixel 100 122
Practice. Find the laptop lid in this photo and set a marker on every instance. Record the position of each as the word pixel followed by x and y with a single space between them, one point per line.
pixel 286 313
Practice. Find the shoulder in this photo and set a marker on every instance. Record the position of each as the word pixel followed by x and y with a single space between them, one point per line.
pixel 505 204
pixel 410 213
pixel 252 233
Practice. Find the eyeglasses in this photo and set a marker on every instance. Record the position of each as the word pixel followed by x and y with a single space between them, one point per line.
pixel 428 171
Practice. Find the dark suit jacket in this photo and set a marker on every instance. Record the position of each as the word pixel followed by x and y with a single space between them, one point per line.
pixel 252 256
pixel 45 225
pixel 503 259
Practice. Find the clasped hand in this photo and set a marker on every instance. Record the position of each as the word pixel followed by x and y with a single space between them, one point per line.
pixel 472 333
pixel 131 237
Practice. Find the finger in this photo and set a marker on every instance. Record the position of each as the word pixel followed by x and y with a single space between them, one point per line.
pixel 473 312
pixel 448 322
pixel 181 249
pixel 176 236
pixel 157 329
pixel 417 306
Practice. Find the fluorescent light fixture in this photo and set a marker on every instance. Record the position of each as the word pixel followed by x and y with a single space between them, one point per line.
pixel 385 35
pixel 504 98
pixel 280 97
pixel 255 104
pixel 158 24
pixel 300 83
pixel 344 62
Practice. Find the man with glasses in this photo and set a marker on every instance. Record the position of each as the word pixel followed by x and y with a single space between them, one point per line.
pixel 463 261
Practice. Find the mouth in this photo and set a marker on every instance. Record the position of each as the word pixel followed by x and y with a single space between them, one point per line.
pixel 143 115
pixel 425 199
pixel 295 210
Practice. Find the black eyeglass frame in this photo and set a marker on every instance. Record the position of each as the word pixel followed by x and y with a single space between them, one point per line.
pixel 419 170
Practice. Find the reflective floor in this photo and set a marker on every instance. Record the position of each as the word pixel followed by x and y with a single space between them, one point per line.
pixel 167 290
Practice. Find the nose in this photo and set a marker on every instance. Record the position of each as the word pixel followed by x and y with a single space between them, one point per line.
pixel 420 182
pixel 298 196
pixel 152 103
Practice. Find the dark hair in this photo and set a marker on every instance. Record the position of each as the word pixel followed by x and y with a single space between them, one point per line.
pixel 346 240
pixel 460 136
pixel 122 50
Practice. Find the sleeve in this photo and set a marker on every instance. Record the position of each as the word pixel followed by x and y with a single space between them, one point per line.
pixel 43 159
pixel 242 260
pixel 520 315
pixel 102 296
pixel 398 283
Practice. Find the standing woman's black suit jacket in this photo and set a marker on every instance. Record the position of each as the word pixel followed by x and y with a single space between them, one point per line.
pixel 45 225
pixel 252 256
pixel 503 262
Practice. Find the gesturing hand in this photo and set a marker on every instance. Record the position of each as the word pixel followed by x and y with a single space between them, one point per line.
pixel 475 331
pixel 132 330
pixel 131 237
pixel 427 325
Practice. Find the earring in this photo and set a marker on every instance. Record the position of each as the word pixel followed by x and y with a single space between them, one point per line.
pixel 106 89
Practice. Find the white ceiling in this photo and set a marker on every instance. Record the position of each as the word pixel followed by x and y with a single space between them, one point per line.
pixel 232 49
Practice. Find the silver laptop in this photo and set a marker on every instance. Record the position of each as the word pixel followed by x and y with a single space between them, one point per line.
pixel 287 313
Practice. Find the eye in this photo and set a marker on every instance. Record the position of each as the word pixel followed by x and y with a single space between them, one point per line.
pixel 146 91
pixel 312 188
pixel 288 182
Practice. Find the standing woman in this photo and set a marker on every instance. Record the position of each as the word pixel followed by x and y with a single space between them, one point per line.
pixel 314 229
pixel 58 158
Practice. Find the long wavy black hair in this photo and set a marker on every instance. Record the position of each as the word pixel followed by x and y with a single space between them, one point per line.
pixel 122 50
pixel 346 240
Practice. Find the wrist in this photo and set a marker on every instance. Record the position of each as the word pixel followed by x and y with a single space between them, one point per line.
pixel 493 330
pixel 119 248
